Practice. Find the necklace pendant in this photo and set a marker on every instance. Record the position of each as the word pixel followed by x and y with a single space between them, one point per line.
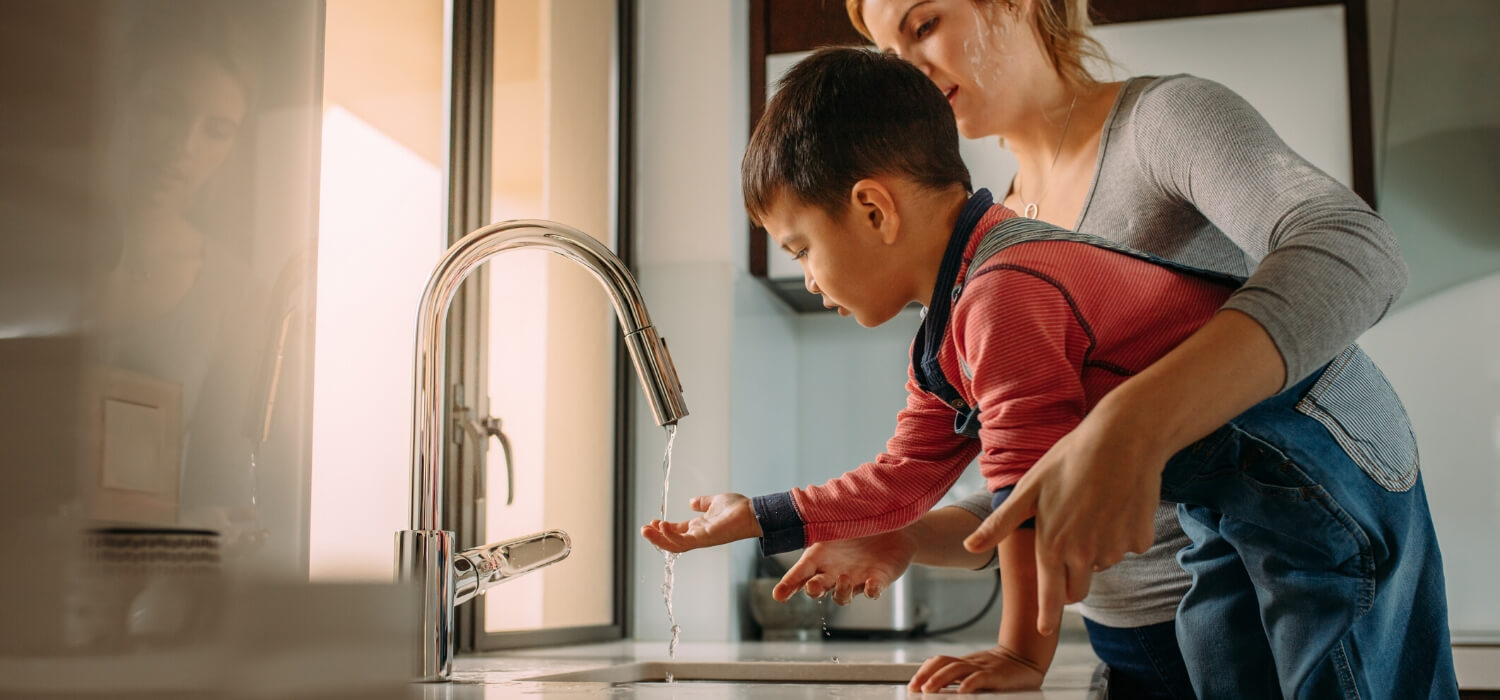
pixel 1030 210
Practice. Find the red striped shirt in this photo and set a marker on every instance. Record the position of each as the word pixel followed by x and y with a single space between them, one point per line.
pixel 1046 329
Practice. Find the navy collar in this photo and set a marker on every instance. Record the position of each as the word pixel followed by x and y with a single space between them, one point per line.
pixel 924 350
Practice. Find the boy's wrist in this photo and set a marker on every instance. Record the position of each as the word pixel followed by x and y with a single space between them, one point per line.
pixel 778 522
pixel 749 523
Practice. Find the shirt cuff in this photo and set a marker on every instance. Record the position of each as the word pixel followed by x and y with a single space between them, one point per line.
pixel 781 526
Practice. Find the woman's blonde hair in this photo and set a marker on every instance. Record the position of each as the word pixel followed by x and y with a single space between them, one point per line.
pixel 1063 26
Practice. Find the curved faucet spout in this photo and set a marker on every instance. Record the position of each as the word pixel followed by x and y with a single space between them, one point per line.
pixel 648 352
pixel 425 552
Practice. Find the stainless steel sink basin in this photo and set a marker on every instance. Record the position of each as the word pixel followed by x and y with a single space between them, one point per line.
pixel 741 672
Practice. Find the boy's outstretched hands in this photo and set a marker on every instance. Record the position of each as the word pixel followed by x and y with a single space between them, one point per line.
pixel 865 565
pixel 726 518
pixel 988 670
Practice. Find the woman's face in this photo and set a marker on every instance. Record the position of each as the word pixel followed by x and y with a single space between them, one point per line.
pixel 180 123
pixel 978 53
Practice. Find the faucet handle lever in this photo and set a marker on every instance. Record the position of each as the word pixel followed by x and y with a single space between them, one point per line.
pixel 480 568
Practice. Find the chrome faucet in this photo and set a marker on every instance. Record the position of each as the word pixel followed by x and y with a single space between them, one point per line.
pixel 424 554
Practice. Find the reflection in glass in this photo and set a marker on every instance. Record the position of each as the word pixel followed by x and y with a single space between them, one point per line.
pixel 156 229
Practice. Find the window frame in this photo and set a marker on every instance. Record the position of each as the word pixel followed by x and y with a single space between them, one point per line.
pixel 468 198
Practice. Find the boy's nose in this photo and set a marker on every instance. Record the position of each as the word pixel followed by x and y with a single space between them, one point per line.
pixel 812 286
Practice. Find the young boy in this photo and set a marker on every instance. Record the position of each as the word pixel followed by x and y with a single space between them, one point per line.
pixel 1316 570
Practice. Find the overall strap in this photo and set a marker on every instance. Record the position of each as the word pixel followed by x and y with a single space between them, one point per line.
pixel 1019 229
pixel 926 347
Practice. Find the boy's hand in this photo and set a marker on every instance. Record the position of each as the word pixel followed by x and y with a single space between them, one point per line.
pixel 865 565
pixel 988 670
pixel 726 518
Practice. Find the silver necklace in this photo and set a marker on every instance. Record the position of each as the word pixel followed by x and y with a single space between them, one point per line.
pixel 1030 210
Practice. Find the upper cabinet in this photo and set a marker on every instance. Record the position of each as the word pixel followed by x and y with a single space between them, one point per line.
pixel 1304 65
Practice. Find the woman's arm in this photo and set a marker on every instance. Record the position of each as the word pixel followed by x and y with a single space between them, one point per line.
pixel 1324 266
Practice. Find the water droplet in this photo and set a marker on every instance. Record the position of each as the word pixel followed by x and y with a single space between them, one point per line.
pixel 823 617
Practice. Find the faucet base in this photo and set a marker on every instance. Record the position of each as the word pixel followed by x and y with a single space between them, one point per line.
pixel 426 556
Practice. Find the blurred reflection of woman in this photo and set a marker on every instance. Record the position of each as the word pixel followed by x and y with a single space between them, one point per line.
pixel 185 94
pixel 181 304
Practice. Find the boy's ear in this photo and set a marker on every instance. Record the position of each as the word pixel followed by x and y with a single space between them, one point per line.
pixel 871 200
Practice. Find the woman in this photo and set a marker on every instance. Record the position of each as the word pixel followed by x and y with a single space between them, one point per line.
pixel 1179 167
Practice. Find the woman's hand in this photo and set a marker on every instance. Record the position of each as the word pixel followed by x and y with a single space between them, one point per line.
pixel 865 565
pixel 726 518
pixel 1093 502
pixel 988 670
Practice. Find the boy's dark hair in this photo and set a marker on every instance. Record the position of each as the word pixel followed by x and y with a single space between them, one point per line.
pixel 844 114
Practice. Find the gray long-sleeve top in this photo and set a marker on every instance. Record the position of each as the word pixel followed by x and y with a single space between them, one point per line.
pixel 1189 171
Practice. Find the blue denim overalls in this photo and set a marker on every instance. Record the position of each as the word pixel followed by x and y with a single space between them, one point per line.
pixel 1316 570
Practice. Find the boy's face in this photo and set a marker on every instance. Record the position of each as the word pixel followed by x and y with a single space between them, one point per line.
pixel 844 258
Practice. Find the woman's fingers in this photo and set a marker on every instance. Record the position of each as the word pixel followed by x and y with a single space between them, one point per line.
pixel 1051 582
pixel 1080 575
pixel 1016 509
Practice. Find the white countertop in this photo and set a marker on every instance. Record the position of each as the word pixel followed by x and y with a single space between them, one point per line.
pixel 503 674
